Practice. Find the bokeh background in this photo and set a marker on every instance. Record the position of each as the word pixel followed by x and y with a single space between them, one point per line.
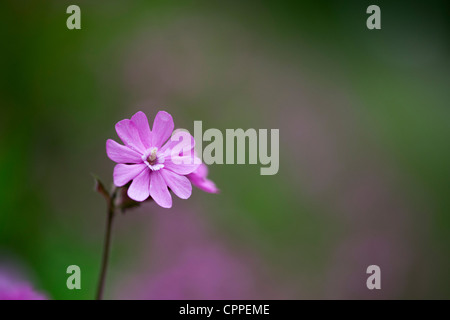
pixel 364 147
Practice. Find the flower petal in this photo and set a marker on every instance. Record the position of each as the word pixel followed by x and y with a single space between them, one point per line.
pixel 120 153
pixel 200 180
pixel 139 189
pixel 124 173
pixel 202 170
pixel 180 185
pixel 208 186
pixel 162 128
pixel 141 123
pixel 203 183
pixel 180 142
pixel 182 165
pixel 159 191
pixel 128 133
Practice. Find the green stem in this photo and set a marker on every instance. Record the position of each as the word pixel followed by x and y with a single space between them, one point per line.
pixel 106 247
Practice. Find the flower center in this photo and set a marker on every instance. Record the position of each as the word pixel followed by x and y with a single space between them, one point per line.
pixel 153 160
pixel 152 157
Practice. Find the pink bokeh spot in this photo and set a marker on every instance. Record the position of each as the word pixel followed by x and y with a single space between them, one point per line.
pixel 12 288
pixel 186 259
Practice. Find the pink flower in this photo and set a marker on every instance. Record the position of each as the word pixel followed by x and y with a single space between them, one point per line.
pixel 199 179
pixel 151 164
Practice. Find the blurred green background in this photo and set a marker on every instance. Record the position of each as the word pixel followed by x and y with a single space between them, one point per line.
pixel 364 144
